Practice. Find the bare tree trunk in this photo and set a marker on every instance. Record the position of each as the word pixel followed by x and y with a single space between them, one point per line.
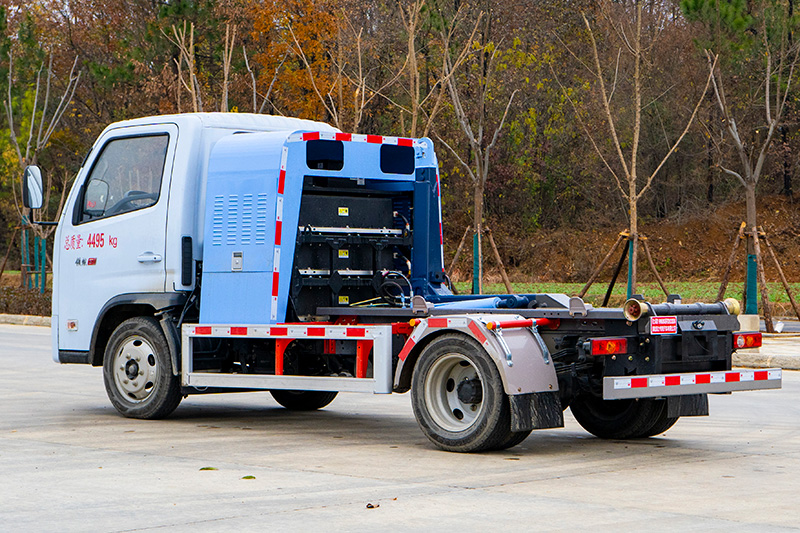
pixel 634 238
pixel 750 203
pixel 477 222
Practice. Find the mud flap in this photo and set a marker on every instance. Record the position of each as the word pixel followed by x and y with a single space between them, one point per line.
pixel 537 410
pixel 173 341
pixel 687 405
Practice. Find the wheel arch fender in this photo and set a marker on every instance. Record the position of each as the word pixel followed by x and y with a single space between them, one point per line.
pixel 123 307
pixel 529 369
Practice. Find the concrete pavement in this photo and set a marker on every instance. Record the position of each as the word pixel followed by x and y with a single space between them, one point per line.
pixel 68 462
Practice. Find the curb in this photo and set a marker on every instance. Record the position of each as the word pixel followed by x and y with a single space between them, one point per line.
pixel 25 320
pixel 779 349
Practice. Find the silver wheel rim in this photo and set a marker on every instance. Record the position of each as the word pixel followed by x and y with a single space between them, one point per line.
pixel 441 393
pixel 135 369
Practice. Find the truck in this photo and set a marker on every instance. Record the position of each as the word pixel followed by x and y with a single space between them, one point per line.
pixel 225 252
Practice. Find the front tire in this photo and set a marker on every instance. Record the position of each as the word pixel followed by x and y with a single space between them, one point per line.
pixel 621 419
pixel 303 400
pixel 137 370
pixel 458 398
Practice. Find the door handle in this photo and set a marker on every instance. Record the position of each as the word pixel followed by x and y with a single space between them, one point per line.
pixel 149 257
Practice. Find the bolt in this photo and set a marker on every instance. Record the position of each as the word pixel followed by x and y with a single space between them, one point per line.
pixel 135 384
pixel 122 368
pixel 613 357
pixel 138 358
pixel 646 358
pixel 125 381
pixel 141 372
pixel 630 358
pixel 127 356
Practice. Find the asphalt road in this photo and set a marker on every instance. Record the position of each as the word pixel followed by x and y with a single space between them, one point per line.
pixel 68 462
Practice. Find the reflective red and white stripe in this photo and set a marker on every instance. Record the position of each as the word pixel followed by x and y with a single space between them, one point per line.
pixel 422 325
pixel 294 331
pixel 353 137
pixel 704 378
pixel 276 258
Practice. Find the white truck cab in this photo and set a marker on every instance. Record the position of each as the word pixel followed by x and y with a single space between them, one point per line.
pixel 132 220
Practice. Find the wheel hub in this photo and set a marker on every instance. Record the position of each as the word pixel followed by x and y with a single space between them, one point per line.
pixel 132 369
pixel 470 391
pixel 454 392
pixel 136 369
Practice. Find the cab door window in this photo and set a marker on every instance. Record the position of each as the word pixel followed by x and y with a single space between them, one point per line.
pixel 125 177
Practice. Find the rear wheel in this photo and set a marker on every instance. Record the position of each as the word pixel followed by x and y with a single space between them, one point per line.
pixel 137 370
pixel 303 400
pixel 621 419
pixel 458 397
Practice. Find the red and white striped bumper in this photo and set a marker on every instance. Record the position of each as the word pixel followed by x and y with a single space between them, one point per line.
pixel 656 385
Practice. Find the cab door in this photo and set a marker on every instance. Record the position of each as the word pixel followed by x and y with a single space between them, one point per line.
pixel 112 236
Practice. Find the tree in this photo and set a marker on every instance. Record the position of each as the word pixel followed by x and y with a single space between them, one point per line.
pixel 476 122
pixel 625 168
pixel 760 60
pixel 32 116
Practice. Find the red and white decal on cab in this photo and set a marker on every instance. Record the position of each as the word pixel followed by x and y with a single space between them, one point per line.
pixel 77 241
pixel 663 325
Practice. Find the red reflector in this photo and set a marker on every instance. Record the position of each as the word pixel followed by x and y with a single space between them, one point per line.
pixel 732 376
pixel 437 322
pixel 311 136
pixel 315 332
pixel 344 137
pixel 761 375
pixel 746 340
pixel 702 378
pixel 609 346
pixel 202 330
pixel 278 331
pixel 355 332
pixel 671 381
pixel 238 331
pixel 376 139
pixel 638 383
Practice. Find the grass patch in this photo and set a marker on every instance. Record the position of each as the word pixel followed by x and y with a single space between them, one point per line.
pixel 690 291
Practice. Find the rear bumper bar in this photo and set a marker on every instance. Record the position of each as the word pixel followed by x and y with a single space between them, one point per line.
pixel 658 385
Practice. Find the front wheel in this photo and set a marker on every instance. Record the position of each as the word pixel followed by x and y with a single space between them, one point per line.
pixel 303 400
pixel 622 419
pixel 137 370
pixel 458 398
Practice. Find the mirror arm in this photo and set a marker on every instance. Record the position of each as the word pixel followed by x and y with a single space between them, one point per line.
pixel 41 222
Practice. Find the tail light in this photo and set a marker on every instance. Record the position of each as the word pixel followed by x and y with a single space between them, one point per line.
pixel 746 340
pixel 610 346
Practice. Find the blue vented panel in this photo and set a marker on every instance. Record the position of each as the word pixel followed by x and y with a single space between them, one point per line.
pixel 241 193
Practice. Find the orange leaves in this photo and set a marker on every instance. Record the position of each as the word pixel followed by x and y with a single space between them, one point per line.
pixel 298 38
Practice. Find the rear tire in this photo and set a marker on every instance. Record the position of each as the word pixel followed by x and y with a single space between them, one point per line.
pixel 303 400
pixel 513 439
pixel 621 419
pixel 137 370
pixel 458 398
pixel 662 424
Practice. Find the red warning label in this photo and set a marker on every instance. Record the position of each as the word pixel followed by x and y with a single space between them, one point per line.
pixel 664 325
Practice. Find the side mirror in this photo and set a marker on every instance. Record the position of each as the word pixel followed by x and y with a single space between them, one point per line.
pixel 32 187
